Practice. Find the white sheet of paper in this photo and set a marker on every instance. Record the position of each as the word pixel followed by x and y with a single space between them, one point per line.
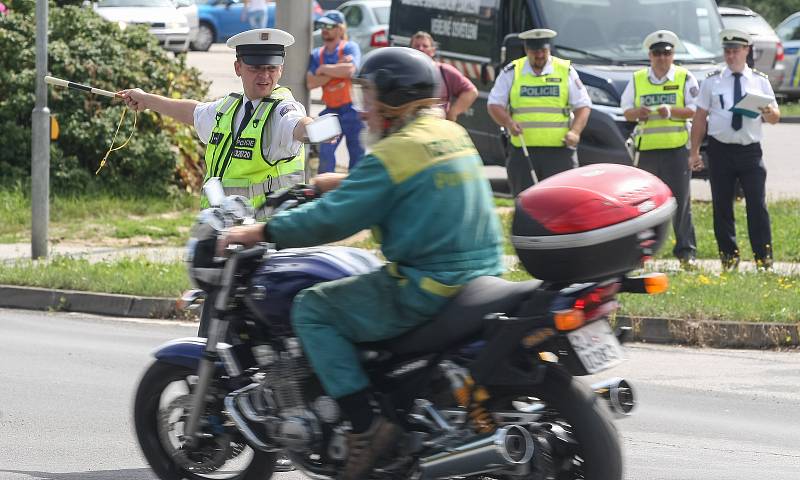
pixel 324 128
pixel 752 103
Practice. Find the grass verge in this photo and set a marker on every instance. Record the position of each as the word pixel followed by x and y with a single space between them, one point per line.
pixel 744 297
pixel 790 109
pixel 751 297
pixel 102 219
pixel 132 276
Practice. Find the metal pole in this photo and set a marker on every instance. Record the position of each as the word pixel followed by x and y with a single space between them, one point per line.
pixel 40 142
pixel 294 16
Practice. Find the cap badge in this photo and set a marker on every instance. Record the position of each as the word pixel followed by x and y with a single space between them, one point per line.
pixel 264 36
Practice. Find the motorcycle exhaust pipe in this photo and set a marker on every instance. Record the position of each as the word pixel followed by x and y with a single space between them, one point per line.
pixel 619 395
pixel 509 446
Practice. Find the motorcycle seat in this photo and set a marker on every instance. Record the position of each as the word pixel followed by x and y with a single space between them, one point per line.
pixel 462 318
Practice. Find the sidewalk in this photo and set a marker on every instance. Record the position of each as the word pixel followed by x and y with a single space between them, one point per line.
pixel 719 334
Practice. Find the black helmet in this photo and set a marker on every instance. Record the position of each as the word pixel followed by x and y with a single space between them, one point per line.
pixel 400 75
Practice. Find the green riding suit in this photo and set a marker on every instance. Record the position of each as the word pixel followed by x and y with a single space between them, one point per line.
pixel 423 192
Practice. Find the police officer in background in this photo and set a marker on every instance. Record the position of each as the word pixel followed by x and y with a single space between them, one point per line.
pixel 532 98
pixel 255 138
pixel 734 149
pixel 661 99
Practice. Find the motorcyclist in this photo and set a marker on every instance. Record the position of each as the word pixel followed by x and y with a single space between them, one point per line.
pixel 423 192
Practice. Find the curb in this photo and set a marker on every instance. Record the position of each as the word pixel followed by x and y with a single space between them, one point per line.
pixel 701 333
pixel 34 298
pixel 789 120
pixel 712 333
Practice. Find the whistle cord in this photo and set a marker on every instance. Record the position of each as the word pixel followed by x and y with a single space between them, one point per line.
pixel 112 148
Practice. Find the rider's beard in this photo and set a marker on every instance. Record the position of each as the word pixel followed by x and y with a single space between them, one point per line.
pixel 369 137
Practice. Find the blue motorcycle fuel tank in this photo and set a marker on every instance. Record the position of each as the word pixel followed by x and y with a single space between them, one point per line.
pixel 286 272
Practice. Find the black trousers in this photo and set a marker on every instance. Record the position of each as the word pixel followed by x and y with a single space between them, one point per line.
pixel 727 163
pixel 546 161
pixel 671 165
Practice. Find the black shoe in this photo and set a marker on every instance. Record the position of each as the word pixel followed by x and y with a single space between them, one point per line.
pixel 364 450
pixel 688 264
pixel 729 262
pixel 764 264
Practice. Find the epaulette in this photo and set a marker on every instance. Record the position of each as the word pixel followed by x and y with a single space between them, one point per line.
pixel 509 67
pixel 757 72
pixel 715 72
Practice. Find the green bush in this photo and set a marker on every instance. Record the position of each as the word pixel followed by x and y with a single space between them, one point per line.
pixel 85 48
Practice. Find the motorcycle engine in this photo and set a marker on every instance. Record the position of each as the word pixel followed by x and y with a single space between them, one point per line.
pixel 294 424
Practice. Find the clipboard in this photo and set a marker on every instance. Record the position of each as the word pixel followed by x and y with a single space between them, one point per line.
pixel 751 104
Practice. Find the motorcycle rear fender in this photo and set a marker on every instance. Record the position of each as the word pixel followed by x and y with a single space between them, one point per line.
pixel 185 352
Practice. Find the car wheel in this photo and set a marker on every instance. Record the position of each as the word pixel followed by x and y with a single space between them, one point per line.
pixel 205 37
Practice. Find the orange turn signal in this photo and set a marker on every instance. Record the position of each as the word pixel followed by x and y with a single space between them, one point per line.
pixel 566 320
pixel 656 283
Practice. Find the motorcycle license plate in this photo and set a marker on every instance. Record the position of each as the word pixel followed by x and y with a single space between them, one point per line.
pixel 596 346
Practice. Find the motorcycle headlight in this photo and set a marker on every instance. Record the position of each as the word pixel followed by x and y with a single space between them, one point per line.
pixel 600 96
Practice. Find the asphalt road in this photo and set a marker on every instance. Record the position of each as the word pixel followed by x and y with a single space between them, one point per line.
pixel 67 384
pixel 781 142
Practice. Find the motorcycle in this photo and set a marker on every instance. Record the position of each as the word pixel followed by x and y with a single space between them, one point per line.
pixel 487 389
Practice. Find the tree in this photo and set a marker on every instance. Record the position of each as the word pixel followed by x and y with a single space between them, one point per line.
pixel 85 48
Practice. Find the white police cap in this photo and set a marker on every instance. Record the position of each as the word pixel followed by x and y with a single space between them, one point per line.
pixel 262 46
pixel 662 40
pixel 537 37
pixel 732 37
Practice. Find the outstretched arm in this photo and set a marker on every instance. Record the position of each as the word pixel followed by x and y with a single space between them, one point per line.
pixel 139 100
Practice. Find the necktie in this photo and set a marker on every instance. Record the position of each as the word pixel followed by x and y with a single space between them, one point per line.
pixel 736 121
pixel 248 113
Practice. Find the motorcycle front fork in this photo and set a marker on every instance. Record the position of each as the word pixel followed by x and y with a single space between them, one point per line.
pixel 205 374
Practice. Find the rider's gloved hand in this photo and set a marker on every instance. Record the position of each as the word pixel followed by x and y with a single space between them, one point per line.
pixel 247 235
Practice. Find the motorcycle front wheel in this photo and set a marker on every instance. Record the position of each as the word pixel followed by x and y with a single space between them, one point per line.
pixel 161 407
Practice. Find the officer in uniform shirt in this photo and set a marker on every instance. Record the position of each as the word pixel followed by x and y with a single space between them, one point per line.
pixel 734 149
pixel 661 99
pixel 254 138
pixel 532 98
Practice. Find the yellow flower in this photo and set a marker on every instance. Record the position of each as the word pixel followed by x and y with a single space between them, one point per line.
pixel 704 280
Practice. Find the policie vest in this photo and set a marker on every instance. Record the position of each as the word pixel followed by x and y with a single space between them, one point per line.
pixel 660 133
pixel 336 92
pixel 242 165
pixel 540 104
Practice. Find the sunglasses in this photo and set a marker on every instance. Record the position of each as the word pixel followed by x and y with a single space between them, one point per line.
pixel 327 26
pixel 662 53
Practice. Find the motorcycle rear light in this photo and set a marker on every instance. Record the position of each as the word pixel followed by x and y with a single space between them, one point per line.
pixel 379 39
pixel 779 52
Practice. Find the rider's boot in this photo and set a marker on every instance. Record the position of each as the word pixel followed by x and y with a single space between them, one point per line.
pixel 364 450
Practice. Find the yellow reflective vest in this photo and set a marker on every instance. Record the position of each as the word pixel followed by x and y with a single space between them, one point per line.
pixel 242 165
pixel 540 104
pixel 660 133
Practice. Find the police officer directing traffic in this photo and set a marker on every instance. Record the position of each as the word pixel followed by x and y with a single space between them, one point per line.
pixel 532 99
pixel 661 99
pixel 254 139
pixel 734 149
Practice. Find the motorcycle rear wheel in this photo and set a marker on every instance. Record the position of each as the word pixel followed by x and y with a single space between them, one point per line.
pixel 581 413
pixel 148 412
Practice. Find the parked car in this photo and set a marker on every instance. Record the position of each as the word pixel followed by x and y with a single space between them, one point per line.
pixel 168 25
pixel 222 19
pixel 789 33
pixel 367 23
pixel 189 9
pixel 767 48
